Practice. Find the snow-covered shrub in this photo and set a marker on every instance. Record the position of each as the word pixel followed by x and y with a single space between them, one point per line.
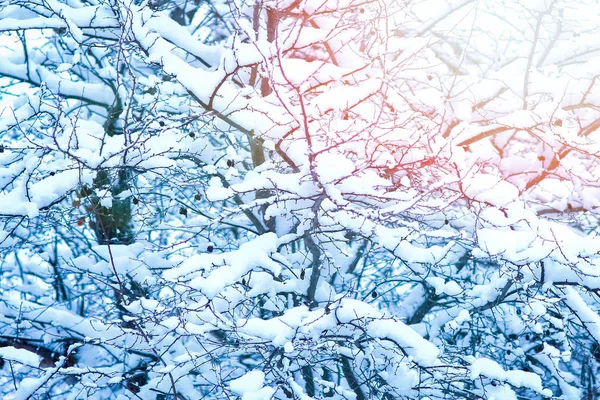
pixel 299 199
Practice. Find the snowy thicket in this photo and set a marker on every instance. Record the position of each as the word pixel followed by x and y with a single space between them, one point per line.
pixel 308 199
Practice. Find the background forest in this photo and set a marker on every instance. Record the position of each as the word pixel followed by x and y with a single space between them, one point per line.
pixel 299 199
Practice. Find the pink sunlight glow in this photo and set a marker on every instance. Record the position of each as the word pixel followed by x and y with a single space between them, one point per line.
pixel 500 98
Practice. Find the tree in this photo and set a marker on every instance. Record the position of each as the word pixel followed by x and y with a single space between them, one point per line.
pixel 285 199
